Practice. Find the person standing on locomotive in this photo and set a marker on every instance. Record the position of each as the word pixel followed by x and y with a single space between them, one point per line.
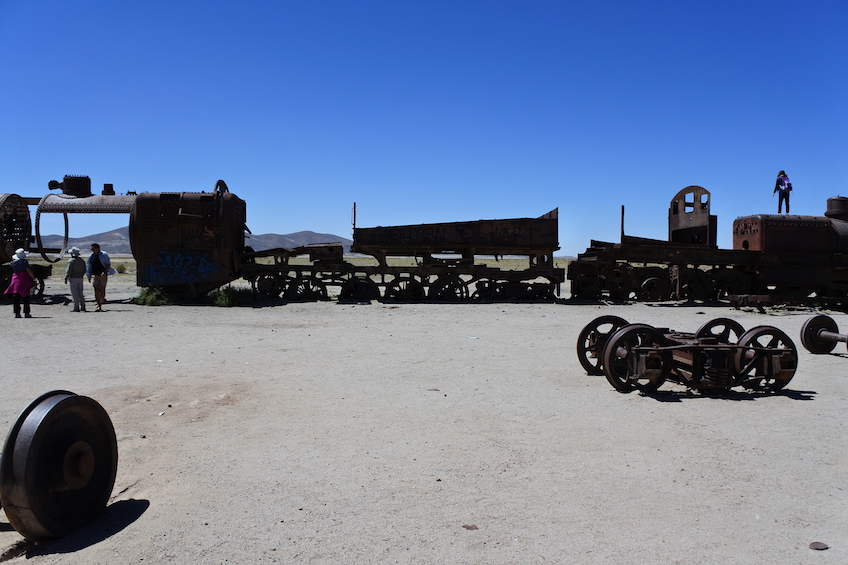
pixel 21 283
pixel 782 187
pixel 98 267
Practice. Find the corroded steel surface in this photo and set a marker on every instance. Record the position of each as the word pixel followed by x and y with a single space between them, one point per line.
pixel 772 232
pixel 15 226
pixel 60 203
pixel 182 238
pixel 521 236
pixel 689 219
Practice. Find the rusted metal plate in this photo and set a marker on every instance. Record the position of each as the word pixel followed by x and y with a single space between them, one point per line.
pixel 769 232
pixel 57 203
pixel 689 219
pixel 15 226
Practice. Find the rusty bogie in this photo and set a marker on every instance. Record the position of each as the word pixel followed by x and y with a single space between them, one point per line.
pixel 720 355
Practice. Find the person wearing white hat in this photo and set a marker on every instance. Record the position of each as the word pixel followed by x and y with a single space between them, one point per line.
pixel 73 278
pixel 21 283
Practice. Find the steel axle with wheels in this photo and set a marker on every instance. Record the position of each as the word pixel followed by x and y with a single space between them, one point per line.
pixel 720 355
pixel 820 334
pixel 58 465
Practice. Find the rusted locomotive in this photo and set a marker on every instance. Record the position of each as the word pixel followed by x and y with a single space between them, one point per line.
pixel 189 241
pixel 774 257
pixel 195 242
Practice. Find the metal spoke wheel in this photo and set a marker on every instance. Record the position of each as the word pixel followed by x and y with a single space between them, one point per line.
pixel 266 284
pixel 37 288
pixel 359 289
pixel 58 465
pixel 593 338
pixel 724 330
pixel 654 289
pixel 449 288
pixel 810 334
pixel 310 288
pixel 405 290
pixel 768 361
pixel 729 282
pixel 630 364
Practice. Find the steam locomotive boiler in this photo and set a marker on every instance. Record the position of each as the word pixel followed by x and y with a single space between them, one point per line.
pixel 776 257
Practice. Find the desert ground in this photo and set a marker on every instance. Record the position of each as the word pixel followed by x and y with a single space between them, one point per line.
pixel 427 434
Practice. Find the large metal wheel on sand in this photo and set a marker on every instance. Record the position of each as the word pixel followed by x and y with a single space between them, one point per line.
pixel 810 334
pixel 593 338
pixel 58 465
pixel 629 362
pixel 768 361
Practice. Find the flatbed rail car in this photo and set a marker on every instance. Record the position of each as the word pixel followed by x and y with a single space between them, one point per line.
pixel 789 258
pixel 448 263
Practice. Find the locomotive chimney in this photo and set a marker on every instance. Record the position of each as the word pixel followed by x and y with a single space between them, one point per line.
pixel 837 208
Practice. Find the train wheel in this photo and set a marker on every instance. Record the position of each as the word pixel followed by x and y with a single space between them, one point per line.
pixel 305 289
pixel 728 283
pixel 405 290
pixel 266 284
pixel 768 359
pixel 359 289
pixel 654 289
pixel 626 368
pixel 449 288
pixel 721 329
pixel 59 465
pixel 810 334
pixel 593 338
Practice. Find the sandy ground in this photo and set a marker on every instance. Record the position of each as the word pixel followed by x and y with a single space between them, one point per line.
pixel 328 433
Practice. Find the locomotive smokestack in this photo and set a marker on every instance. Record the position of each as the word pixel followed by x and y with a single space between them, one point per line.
pixel 837 208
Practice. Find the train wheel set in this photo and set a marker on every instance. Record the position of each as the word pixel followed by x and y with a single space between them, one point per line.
pixel 718 356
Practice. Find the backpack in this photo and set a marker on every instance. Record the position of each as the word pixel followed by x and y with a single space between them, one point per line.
pixel 787 186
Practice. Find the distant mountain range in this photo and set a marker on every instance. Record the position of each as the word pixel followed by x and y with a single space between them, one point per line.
pixel 118 241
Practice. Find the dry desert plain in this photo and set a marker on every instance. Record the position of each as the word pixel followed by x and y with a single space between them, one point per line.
pixel 427 434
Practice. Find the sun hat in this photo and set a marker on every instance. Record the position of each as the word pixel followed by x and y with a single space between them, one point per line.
pixel 75 251
pixel 20 253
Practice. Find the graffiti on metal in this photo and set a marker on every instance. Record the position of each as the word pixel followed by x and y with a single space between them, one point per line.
pixel 180 268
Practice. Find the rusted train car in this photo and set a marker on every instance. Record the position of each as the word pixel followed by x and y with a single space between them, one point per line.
pixel 777 257
pixel 195 242
pixel 449 263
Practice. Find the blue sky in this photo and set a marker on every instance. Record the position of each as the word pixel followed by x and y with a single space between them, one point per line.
pixel 429 111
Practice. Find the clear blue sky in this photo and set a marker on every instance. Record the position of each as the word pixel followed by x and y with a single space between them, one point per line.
pixel 430 111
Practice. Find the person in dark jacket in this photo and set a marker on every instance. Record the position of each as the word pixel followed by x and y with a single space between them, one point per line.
pixel 21 283
pixel 97 270
pixel 782 187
